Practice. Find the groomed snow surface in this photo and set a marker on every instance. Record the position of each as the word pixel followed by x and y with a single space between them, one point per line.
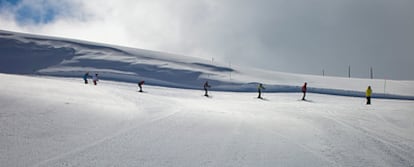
pixel 47 121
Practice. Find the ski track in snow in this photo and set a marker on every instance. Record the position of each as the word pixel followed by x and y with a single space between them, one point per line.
pixel 121 132
pixel 365 135
pixel 104 139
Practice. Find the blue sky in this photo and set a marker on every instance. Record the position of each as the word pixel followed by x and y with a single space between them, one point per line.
pixel 13 2
pixel 298 36
pixel 28 14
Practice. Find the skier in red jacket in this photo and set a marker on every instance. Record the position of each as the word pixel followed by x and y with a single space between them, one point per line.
pixel 304 91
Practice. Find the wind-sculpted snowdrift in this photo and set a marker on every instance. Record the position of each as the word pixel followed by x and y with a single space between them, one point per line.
pixel 40 55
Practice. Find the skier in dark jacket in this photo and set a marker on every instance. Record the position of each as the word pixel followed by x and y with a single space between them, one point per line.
pixel 85 77
pixel 304 90
pixel 259 90
pixel 206 86
pixel 140 85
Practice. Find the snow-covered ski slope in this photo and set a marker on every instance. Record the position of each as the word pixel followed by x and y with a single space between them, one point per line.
pixel 41 55
pixel 55 121
pixel 48 117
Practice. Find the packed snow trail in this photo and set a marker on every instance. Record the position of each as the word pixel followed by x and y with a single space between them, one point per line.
pixel 63 122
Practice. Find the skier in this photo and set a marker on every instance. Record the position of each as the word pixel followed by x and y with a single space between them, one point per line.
pixel 206 86
pixel 304 90
pixel 95 79
pixel 140 85
pixel 85 77
pixel 368 95
pixel 259 90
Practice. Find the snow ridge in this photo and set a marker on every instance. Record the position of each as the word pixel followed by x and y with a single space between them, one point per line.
pixel 41 55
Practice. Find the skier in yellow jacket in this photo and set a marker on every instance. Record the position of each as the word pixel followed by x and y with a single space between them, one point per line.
pixel 368 95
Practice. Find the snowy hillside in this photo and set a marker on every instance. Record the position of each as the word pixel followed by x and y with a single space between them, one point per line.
pixel 40 55
pixel 47 121
pixel 49 117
